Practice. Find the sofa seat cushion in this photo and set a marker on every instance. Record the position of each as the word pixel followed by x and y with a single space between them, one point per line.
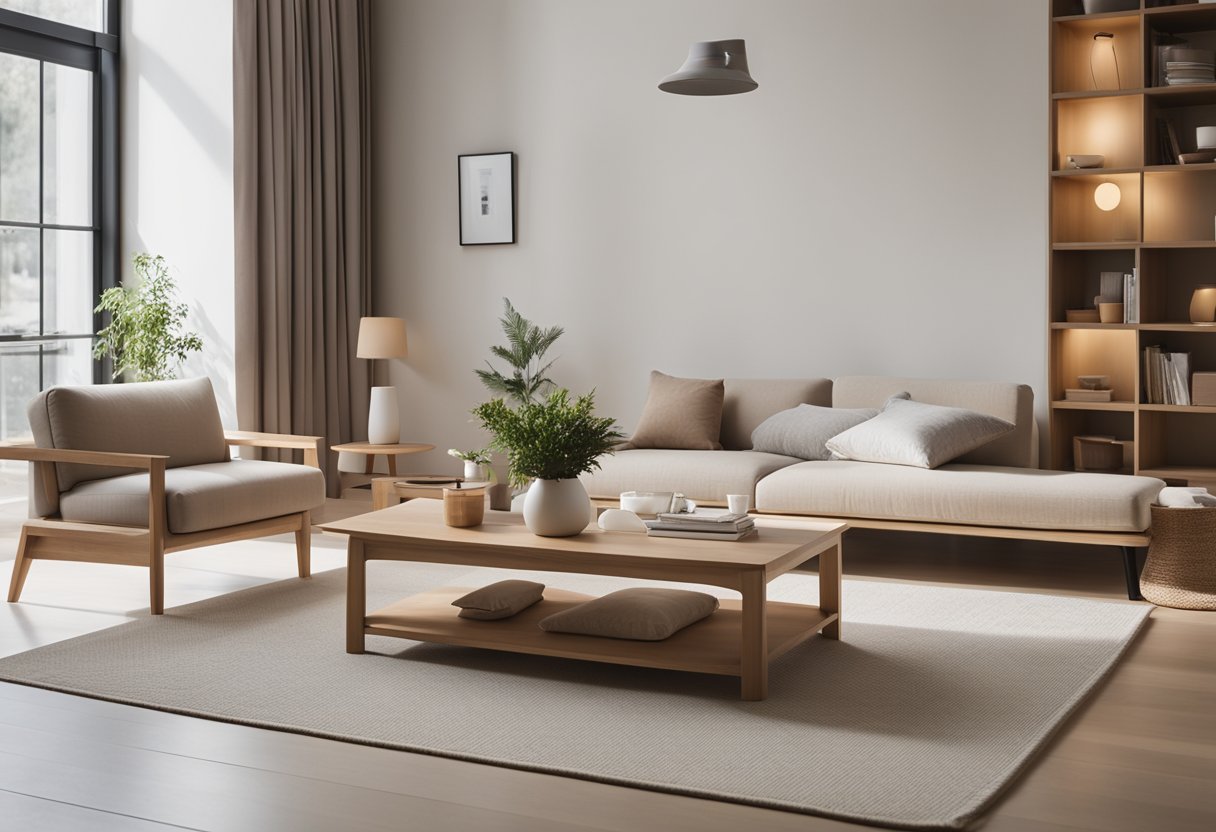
pixel 200 497
pixel 704 476
pixel 972 495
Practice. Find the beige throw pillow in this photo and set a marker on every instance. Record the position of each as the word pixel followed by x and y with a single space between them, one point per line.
pixel 501 600
pixel 917 434
pixel 640 614
pixel 680 414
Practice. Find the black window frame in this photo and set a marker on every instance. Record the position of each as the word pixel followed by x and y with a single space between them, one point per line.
pixel 51 41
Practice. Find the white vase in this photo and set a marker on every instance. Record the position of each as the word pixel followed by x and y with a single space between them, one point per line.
pixel 557 508
pixel 383 422
pixel 473 472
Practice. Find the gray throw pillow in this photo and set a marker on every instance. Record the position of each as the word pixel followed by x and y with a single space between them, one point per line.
pixel 917 434
pixel 803 431
pixel 680 414
pixel 640 614
pixel 500 600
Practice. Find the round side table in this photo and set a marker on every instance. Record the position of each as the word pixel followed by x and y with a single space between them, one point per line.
pixel 389 452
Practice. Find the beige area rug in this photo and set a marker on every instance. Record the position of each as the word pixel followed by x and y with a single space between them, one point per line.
pixel 927 709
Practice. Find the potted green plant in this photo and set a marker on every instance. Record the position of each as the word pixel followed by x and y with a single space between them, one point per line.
pixel 476 464
pixel 525 380
pixel 146 337
pixel 549 444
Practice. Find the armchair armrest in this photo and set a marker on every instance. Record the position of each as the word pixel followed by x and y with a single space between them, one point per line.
pixel 310 445
pixel 29 453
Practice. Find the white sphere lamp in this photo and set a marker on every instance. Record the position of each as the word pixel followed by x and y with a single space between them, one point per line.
pixel 1107 196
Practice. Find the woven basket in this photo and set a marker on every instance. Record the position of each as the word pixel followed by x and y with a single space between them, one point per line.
pixel 1181 567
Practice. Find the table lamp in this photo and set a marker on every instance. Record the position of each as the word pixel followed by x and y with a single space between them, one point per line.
pixel 382 338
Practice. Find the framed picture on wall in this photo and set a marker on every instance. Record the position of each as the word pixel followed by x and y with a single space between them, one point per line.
pixel 487 198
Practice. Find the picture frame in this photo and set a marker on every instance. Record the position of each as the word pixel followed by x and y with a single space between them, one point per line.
pixel 486 198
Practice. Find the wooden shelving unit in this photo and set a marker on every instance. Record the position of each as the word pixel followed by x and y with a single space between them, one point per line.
pixel 1164 228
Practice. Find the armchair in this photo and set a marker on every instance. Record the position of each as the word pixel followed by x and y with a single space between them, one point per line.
pixel 125 474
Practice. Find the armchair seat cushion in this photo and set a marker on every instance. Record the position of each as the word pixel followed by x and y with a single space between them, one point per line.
pixel 200 497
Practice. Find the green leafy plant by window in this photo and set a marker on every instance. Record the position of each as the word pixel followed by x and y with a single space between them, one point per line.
pixel 527 343
pixel 554 439
pixel 147 336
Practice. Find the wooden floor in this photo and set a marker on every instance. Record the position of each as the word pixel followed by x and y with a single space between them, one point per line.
pixel 1141 755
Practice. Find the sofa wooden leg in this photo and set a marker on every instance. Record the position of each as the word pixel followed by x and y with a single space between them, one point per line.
pixel 21 569
pixel 156 580
pixel 1131 573
pixel 304 545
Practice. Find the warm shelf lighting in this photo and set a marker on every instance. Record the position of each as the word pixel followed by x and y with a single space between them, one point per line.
pixel 1103 63
pixel 1107 196
pixel 1203 305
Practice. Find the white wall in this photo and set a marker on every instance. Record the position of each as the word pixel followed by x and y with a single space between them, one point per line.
pixel 177 190
pixel 878 205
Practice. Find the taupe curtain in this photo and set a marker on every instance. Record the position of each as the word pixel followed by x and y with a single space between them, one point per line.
pixel 303 246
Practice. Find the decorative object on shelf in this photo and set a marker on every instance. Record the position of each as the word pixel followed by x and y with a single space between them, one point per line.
pixel 1104 63
pixel 486 193
pixel 1084 160
pixel 1199 157
pixel 1094 382
pixel 1205 138
pixel 382 338
pixel 1107 196
pixel 1105 6
pixel 1081 394
pixel 738 503
pixel 1203 389
pixel 1081 316
pixel 476 464
pixel 1180 570
pixel 1185 66
pixel 550 444
pixel 464 507
pixel 1203 305
pixel 1110 313
pixel 714 67
pixel 146 335
pixel 1102 454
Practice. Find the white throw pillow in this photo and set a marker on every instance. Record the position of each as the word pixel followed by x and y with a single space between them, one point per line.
pixel 917 434
pixel 803 431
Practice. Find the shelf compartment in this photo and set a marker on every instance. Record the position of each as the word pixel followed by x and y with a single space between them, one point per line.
pixel 1183 475
pixel 1075 280
pixel 1184 115
pixel 1180 207
pixel 1114 407
pixel 1110 126
pixel 1073 42
pixel 1168 278
pixel 1066 424
pixel 1202 348
pixel 1076 218
pixel 1106 352
pixel 1178 442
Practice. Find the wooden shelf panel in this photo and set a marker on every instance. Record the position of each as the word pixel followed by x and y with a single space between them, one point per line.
pixel 1131 15
pixel 709 646
pixel 1113 407
pixel 1122 245
pixel 1101 171
pixel 1196 17
pixel 1180 472
pixel 1066 325
pixel 1178 244
pixel 1189 95
pixel 1177 327
pixel 1176 408
pixel 1200 168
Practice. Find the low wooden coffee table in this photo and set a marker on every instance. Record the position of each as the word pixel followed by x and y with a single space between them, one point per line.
pixel 740 639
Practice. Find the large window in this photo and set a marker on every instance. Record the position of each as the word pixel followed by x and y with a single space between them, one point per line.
pixel 58 193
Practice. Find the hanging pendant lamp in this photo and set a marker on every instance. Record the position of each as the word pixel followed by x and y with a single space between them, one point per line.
pixel 713 67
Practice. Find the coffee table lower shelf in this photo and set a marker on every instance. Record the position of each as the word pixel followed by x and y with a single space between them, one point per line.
pixel 709 646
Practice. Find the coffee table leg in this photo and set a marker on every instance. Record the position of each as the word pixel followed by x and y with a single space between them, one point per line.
pixel 829 588
pixel 384 493
pixel 356 595
pixel 753 652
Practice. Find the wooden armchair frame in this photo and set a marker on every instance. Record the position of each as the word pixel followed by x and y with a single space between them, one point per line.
pixel 50 538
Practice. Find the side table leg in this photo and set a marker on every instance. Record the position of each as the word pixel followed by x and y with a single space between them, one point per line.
pixel 753 652
pixel 392 464
pixel 829 587
pixel 356 595
pixel 369 464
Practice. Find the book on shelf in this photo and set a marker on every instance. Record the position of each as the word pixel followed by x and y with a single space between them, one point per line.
pixel 691 535
pixel 1165 150
pixel 1131 298
pixel 1167 377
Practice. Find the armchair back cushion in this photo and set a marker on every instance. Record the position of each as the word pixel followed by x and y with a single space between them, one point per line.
pixel 179 419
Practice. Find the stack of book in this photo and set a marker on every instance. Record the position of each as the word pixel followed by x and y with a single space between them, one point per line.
pixel 1167 376
pixel 702 525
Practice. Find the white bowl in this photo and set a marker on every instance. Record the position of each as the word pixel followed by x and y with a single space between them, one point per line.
pixel 646 502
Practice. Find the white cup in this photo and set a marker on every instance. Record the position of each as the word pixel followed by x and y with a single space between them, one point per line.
pixel 1205 138
pixel 738 503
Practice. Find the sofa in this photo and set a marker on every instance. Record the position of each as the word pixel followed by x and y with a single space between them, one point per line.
pixel 996 490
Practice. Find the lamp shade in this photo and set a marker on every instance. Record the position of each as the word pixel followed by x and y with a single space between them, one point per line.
pixel 714 67
pixel 381 338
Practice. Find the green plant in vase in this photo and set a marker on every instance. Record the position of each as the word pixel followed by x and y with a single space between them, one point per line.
pixel 526 379
pixel 146 337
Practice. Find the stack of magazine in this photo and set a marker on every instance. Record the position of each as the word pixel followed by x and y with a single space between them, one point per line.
pixel 1167 376
pixel 702 525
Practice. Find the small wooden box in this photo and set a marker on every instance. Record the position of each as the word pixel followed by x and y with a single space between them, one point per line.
pixel 1203 389
pixel 1101 453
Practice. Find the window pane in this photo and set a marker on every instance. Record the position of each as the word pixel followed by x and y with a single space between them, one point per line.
pixel 67 273
pixel 87 14
pixel 19 299
pixel 67 362
pixel 18 138
pixel 68 145
pixel 18 386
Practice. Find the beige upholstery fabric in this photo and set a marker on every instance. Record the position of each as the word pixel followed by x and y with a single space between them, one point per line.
pixel 200 497
pixel 502 599
pixel 973 495
pixel 178 419
pixel 1011 402
pixel 680 413
pixel 705 476
pixel 805 430
pixel 640 614
pixel 749 401
pixel 916 433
